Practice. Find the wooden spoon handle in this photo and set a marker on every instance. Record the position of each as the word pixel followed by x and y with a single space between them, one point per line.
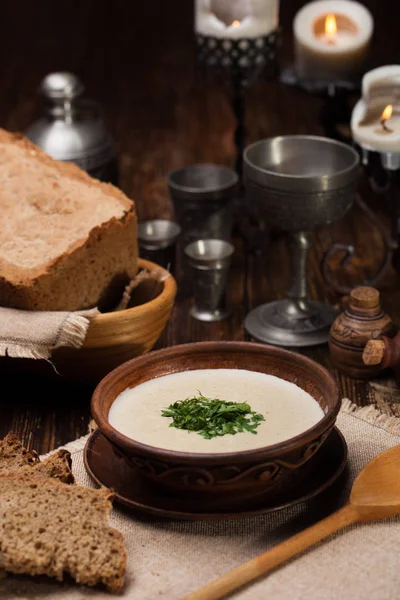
pixel 268 560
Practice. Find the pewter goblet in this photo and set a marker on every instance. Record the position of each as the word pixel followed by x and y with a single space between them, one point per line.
pixel 296 184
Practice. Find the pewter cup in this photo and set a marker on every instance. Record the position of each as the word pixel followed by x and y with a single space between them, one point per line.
pixel 203 199
pixel 157 242
pixel 297 183
pixel 210 261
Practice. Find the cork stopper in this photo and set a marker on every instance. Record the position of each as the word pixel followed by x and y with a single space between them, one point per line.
pixel 374 352
pixel 364 297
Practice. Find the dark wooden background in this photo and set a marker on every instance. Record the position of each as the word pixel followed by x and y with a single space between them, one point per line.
pixel 137 60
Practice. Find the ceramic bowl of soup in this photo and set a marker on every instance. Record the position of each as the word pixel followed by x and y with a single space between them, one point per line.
pixel 292 403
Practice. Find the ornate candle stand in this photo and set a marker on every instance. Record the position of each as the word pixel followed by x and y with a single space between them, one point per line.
pixel 389 163
pixel 383 171
pixel 337 95
pixel 237 63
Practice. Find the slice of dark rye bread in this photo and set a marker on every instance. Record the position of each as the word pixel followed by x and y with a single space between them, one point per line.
pixel 50 528
pixel 13 456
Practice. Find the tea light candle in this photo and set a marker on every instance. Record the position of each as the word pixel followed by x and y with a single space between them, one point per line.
pixel 236 19
pixel 331 39
pixel 375 121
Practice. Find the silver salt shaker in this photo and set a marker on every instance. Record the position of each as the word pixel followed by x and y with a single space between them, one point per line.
pixel 71 128
pixel 210 261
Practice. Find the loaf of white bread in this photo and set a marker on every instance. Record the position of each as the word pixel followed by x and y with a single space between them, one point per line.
pixel 67 241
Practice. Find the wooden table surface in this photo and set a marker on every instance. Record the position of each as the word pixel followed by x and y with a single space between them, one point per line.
pixel 137 60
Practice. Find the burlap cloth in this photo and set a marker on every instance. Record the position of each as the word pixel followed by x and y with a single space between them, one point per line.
pixel 169 559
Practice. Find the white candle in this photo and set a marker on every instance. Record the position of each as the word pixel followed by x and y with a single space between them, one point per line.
pixel 236 19
pixel 331 39
pixel 375 121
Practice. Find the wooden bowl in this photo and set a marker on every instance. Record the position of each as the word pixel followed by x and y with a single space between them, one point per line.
pixel 112 338
pixel 221 480
pixel 115 337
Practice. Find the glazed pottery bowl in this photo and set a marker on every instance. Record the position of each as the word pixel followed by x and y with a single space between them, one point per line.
pixel 220 480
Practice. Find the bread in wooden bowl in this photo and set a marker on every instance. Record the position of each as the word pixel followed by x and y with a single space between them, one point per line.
pixel 67 241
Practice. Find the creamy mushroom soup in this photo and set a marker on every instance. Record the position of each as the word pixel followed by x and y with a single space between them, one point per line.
pixel 287 409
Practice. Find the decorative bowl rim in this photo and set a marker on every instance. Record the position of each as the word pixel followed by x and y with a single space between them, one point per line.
pixel 176 456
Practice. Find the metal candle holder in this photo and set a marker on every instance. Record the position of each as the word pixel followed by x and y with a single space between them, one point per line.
pixel 337 107
pixel 237 63
pixel 390 163
pixel 298 183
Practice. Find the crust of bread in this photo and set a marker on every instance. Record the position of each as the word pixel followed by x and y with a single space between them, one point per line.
pixel 56 466
pixel 15 457
pixel 92 271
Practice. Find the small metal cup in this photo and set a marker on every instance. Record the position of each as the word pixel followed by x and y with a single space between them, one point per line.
pixel 203 199
pixel 157 240
pixel 210 261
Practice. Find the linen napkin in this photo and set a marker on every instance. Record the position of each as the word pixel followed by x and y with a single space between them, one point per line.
pixel 35 334
pixel 168 559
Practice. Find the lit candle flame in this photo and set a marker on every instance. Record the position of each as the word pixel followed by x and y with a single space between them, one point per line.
pixel 387 113
pixel 330 27
pixel 235 23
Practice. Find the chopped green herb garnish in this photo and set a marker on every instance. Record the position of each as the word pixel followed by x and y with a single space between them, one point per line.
pixel 212 417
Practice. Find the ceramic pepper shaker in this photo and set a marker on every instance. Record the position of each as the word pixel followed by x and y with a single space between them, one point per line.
pixel 362 320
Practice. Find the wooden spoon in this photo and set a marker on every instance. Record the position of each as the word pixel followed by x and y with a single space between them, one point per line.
pixel 375 495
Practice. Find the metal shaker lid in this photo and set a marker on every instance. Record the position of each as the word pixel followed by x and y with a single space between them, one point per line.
pixel 71 127
pixel 61 85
